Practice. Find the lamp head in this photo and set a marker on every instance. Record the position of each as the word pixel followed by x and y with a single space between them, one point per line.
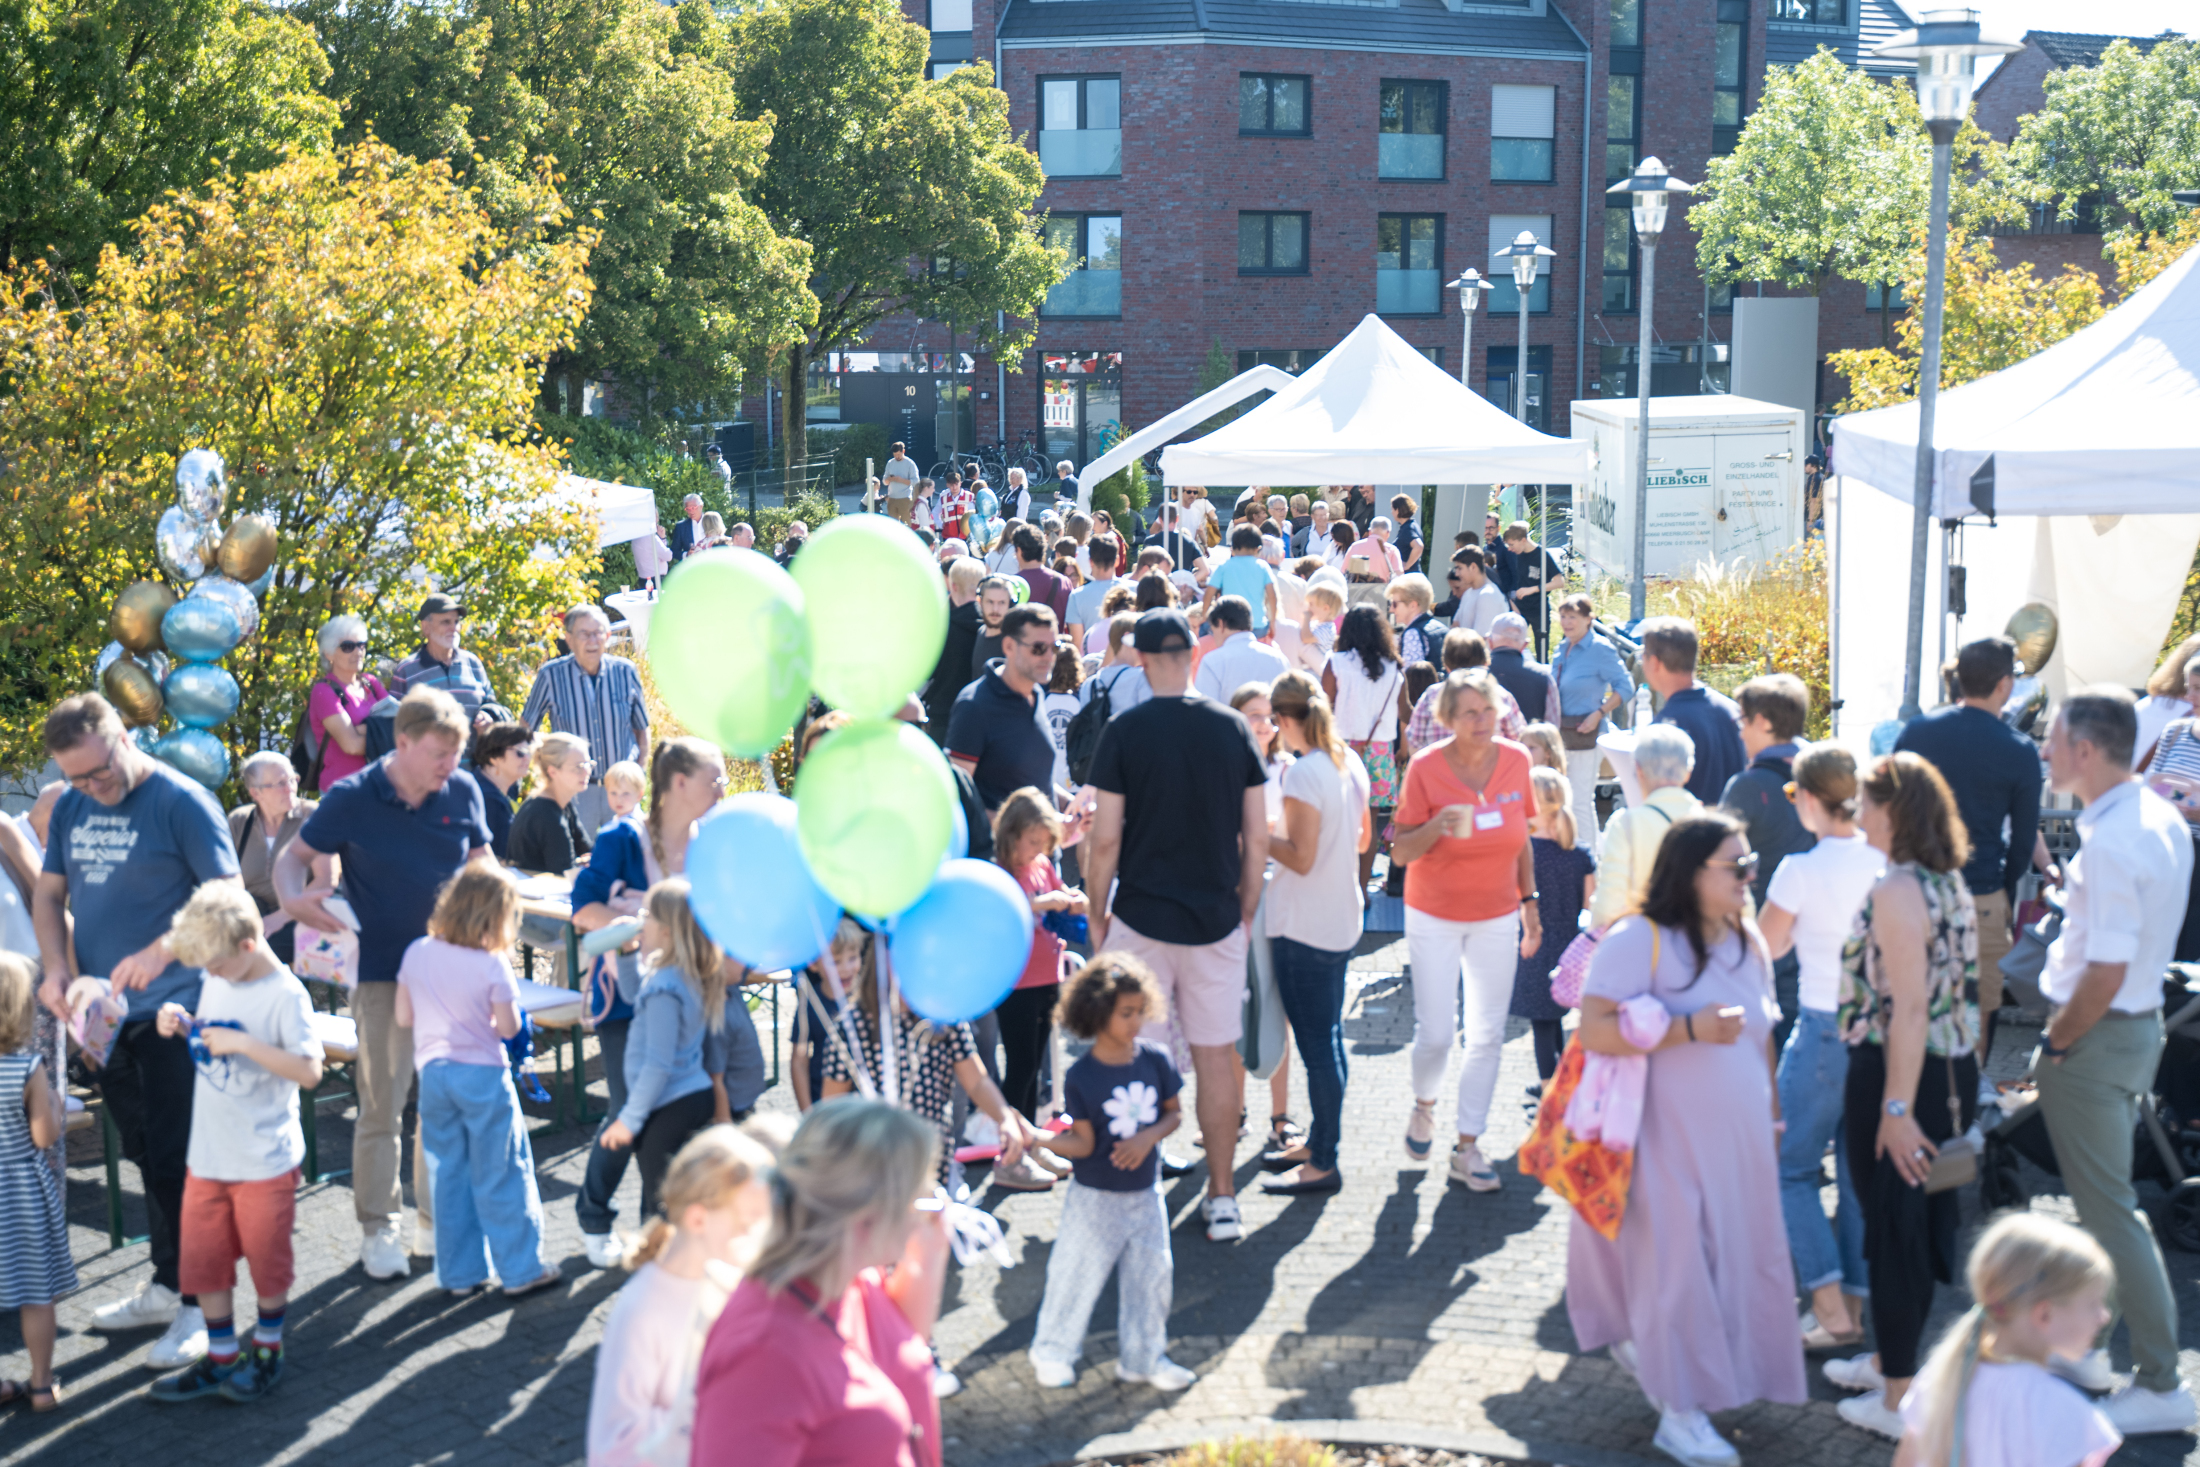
pixel 1946 47
pixel 1470 286
pixel 1649 188
pixel 1526 257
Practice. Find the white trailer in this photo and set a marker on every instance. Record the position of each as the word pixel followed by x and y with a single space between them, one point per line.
pixel 1726 482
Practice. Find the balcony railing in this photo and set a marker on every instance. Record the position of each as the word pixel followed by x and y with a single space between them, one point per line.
pixel 1090 152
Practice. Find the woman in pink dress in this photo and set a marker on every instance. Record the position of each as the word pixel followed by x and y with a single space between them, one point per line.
pixel 1695 1296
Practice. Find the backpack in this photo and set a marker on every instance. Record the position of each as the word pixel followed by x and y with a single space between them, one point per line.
pixel 306 750
pixel 1081 740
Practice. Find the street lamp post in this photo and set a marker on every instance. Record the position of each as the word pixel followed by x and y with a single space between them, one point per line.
pixel 1946 46
pixel 1470 286
pixel 1649 188
pixel 1526 256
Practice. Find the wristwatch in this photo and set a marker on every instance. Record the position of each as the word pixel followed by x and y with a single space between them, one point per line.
pixel 1898 1108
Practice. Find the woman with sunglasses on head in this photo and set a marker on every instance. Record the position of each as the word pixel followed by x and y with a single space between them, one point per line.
pixel 1913 1079
pixel 336 709
pixel 1695 1296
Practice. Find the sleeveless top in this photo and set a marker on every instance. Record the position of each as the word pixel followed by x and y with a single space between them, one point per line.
pixel 1951 963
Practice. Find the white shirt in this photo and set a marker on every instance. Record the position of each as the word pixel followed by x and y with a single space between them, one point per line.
pixel 244 1119
pixel 1480 608
pixel 1366 708
pixel 2017 1415
pixel 1824 888
pixel 1241 659
pixel 1322 908
pixel 2123 897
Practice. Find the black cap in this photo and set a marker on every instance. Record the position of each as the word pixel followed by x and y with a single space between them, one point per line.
pixel 1162 629
pixel 437 604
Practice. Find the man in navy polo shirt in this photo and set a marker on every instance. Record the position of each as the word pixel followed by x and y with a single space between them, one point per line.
pixel 993 732
pixel 1710 719
pixel 403 826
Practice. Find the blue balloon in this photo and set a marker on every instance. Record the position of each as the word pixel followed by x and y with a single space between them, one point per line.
pixel 751 889
pixel 197 753
pixel 962 947
pixel 200 629
pixel 259 587
pixel 199 696
pixel 958 839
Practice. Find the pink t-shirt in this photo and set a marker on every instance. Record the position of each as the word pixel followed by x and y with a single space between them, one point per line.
pixel 1383 560
pixel 1044 964
pixel 353 703
pixel 785 1385
pixel 451 988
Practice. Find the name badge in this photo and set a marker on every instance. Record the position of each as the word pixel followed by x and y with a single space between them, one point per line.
pixel 1489 819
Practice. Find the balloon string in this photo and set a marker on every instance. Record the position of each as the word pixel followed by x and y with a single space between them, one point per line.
pixel 808 992
pixel 889 1059
pixel 854 1045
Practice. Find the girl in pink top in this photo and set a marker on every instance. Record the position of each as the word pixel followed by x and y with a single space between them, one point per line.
pixel 1026 833
pixel 821 1357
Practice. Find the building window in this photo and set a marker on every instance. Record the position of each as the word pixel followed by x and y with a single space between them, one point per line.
pixel 1081 126
pixel 1883 299
pixel 1812 12
pixel 1293 362
pixel 1410 137
pixel 1498 385
pixel 942 70
pixel 1619 262
pixel 1094 243
pixel 1080 404
pixel 950 15
pixel 1274 106
pixel 1523 124
pixel 1728 44
pixel 1409 258
pixel 1622 124
pixel 1504 229
pixel 1675 370
pixel 1626 22
pixel 1271 243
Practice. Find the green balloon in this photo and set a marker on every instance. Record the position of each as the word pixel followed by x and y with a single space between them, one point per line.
pixel 730 650
pixel 874 806
pixel 877 607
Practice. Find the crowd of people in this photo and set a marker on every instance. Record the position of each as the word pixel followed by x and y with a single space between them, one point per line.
pixel 1190 742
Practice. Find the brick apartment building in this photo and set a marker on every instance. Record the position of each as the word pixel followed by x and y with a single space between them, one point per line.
pixel 1256 175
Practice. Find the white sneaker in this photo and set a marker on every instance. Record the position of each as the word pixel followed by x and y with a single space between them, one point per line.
pixel 152 1306
pixel 1857 1373
pixel 1166 1376
pixel 605 1250
pixel 423 1239
pixel 1689 1436
pixel 383 1256
pixel 184 1343
pixel 1623 1355
pixel 945 1383
pixel 1054 1374
pixel 2137 1411
pixel 1471 1169
pixel 1223 1223
pixel 2091 1371
pixel 1871 1412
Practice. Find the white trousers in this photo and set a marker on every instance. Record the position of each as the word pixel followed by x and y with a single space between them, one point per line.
pixel 1098 1230
pixel 1581 773
pixel 1487 953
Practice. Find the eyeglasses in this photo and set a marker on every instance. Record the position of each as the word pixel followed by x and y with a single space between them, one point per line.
pixel 1744 866
pixel 351 646
pixel 91 777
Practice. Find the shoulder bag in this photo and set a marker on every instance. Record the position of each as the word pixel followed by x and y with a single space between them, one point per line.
pixel 1955 1160
pixel 1590 1176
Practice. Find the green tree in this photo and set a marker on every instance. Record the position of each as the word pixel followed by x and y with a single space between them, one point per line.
pixel 105 105
pixel 2121 135
pixel 911 192
pixel 633 101
pixel 361 343
pixel 1830 175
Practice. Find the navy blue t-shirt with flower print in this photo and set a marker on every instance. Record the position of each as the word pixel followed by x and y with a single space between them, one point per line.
pixel 1119 1101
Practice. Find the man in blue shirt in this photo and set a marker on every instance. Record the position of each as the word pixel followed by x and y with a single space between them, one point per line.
pixel 1245 575
pixel 125 848
pixel 1711 721
pixel 1994 773
pixel 1775 709
pixel 403 825
pixel 993 732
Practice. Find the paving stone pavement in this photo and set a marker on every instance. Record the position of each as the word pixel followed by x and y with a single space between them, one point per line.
pixel 1401 1309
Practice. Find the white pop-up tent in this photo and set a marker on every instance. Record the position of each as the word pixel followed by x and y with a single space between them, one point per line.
pixel 1375 410
pixel 2071 479
pixel 623 511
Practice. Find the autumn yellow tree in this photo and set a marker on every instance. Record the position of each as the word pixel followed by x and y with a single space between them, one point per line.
pixel 363 346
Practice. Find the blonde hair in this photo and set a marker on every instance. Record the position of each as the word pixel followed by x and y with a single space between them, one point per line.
pixel 2022 1260
pixel 427 711
pixel 625 775
pixel 687 948
pixel 1828 773
pixel 556 750
pixel 1555 798
pixel 1414 587
pixel 1296 695
pixel 670 760
pixel 963 574
pixel 1019 813
pixel 18 1001
pixel 1318 597
pixel 708 1172
pixel 478 908
pixel 851 1160
pixel 1545 749
pixel 220 918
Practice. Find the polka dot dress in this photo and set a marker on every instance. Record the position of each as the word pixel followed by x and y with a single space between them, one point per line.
pixel 925 1056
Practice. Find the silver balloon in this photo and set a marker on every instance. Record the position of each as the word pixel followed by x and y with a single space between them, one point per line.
pixel 202 484
pixel 267 579
pixel 237 597
pixel 155 663
pixel 181 543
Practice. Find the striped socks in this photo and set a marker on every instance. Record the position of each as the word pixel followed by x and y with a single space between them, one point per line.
pixel 221 1340
pixel 268 1333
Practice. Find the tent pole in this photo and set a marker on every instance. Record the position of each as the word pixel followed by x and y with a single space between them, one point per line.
pixel 1928 396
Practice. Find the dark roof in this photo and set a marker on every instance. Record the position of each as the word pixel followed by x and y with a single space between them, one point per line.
pixel 2073 48
pixel 1408 25
pixel 1877 22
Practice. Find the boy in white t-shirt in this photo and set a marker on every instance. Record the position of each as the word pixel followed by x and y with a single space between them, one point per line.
pixel 253 1042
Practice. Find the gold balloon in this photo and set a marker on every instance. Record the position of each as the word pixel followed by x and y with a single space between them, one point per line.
pixel 2034 628
pixel 133 692
pixel 248 549
pixel 135 621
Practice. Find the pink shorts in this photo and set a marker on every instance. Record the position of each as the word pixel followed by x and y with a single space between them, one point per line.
pixel 1203 986
pixel 225 1221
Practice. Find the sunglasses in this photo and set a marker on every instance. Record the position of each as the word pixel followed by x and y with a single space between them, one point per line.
pixel 351 646
pixel 1744 866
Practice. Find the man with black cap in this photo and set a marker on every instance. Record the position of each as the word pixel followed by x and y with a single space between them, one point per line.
pixel 1173 866
pixel 439 662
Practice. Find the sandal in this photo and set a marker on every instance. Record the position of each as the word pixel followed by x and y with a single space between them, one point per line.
pixel 1817 1337
pixel 52 1393
pixel 1283 1133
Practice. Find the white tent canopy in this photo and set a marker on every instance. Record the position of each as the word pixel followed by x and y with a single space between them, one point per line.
pixel 1259 379
pixel 2105 421
pixel 1374 410
pixel 623 511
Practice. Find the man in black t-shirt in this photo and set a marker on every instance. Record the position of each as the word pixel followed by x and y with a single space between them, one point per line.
pixel 1183 823
pixel 992 733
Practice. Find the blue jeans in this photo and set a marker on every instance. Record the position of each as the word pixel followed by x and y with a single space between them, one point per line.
pixel 487 1209
pixel 1814 1068
pixel 1310 981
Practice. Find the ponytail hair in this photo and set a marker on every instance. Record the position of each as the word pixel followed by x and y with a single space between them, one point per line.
pixel 1554 798
pixel 687 948
pixel 667 762
pixel 2022 1260
pixel 1297 695
pixel 708 1172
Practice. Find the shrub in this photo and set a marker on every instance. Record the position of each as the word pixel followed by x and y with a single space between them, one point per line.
pixel 1257 1451
pixel 847 448
pixel 1126 489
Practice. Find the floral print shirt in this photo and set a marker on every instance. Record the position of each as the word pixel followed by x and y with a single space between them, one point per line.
pixel 1951 967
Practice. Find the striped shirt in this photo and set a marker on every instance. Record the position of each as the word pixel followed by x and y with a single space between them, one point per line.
pixel 605 707
pixel 463 677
